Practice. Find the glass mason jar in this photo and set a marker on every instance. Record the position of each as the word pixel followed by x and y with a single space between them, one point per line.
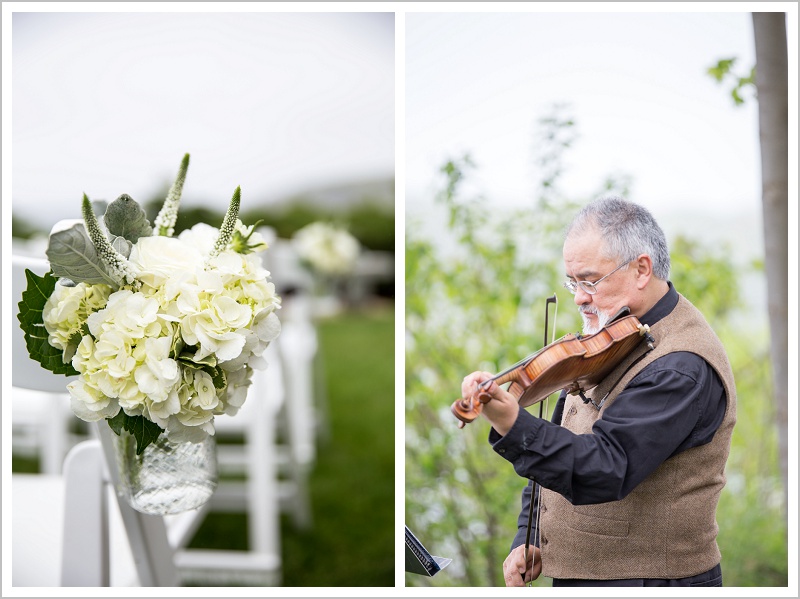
pixel 167 478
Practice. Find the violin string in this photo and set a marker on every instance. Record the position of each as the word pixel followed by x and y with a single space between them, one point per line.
pixel 512 368
pixel 528 358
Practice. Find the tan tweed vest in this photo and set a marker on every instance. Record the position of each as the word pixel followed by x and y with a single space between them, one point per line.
pixel 666 527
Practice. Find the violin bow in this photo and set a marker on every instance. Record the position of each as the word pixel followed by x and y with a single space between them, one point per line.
pixel 550 300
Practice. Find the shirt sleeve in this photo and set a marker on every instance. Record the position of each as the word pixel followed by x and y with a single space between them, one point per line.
pixel 677 402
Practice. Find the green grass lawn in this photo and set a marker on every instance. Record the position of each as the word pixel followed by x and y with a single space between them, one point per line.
pixel 352 489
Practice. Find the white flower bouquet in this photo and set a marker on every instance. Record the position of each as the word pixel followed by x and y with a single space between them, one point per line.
pixel 162 332
pixel 326 249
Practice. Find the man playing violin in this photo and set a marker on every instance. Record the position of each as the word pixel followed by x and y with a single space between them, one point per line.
pixel 626 477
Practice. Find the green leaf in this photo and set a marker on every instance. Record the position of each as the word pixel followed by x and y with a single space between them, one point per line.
pixel 143 430
pixel 31 321
pixel 72 255
pixel 186 357
pixel 117 423
pixel 722 68
pixel 207 365
pixel 125 218
pixel 217 376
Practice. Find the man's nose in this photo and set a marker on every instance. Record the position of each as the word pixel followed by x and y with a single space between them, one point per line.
pixel 581 297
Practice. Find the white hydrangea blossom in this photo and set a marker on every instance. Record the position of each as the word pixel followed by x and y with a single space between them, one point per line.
pixel 67 309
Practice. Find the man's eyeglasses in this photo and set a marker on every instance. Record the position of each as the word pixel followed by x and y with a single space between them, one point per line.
pixel 588 286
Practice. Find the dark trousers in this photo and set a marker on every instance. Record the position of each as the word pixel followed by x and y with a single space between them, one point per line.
pixel 712 578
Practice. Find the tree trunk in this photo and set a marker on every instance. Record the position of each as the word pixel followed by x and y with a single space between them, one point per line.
pixel 771 81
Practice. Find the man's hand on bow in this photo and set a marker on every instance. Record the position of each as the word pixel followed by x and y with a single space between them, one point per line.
pixel 516 572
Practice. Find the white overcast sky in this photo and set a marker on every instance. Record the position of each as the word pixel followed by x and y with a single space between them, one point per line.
pixel 108 103
pixel 635 83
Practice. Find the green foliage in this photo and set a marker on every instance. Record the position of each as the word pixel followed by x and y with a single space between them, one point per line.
pixel 752 508
pixel 723 71
pixel 23 229
pixel 708 277
pixel 143 430
pixel 31 320
pixel 372 225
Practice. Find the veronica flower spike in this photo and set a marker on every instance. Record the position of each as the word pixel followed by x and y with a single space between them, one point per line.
pixel 228 224
pixel 118 266
pixel 168 215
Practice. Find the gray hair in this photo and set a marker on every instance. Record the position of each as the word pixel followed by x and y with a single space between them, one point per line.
pixel 628 230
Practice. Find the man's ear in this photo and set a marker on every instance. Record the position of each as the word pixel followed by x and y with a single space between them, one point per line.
pixel 644 270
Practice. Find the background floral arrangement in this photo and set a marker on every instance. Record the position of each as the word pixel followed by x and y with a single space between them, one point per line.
pixel 163 332
pixel 326 249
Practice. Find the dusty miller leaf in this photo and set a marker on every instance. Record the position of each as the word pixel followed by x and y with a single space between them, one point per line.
pixel 122 245
pixel 72 255
pixel 125 218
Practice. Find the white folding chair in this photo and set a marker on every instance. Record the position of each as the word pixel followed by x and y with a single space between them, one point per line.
pixel 299 417
pixel 303 415
pixel 73 530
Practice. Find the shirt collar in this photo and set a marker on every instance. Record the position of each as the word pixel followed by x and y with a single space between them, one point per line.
pixel 663 307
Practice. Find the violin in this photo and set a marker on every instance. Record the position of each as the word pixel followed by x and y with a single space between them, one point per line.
pixel 573 363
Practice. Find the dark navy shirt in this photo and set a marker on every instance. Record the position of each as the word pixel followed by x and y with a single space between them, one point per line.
pixel 675 403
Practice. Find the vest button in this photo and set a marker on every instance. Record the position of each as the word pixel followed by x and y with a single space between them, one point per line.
pixel 573 410
pixel 544 540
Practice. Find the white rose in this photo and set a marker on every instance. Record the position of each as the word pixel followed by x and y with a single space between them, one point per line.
pixel 158 258
pixel 201 237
